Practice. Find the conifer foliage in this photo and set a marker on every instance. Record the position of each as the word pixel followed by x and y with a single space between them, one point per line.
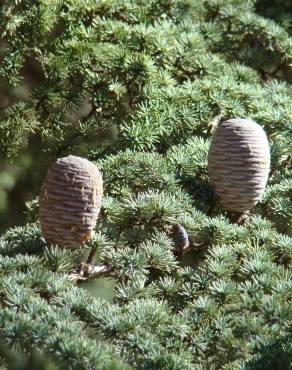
pixel 138 87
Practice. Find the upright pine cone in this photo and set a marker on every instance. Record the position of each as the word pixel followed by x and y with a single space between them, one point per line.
pixel 239 163
pixel 70 201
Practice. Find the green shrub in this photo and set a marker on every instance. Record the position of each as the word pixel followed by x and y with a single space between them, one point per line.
pixel 137 87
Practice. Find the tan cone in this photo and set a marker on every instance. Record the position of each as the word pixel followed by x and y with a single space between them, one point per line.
pixel 70 201
pixel 239 164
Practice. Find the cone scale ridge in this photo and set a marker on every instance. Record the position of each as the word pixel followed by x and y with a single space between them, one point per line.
pixel 70 201
pixel 239 164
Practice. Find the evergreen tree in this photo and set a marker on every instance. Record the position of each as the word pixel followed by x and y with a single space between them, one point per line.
pixel 138 87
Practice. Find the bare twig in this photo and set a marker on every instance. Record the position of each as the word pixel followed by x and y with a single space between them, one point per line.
pixel 91 255
pixel 89 272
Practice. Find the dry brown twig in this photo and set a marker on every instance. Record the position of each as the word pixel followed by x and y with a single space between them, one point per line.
pixel 89 272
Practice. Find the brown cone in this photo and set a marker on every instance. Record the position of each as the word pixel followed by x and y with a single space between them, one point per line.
pixel 239 163
pixel 70 201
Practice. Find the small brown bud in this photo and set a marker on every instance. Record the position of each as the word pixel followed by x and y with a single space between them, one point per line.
pixel 180 238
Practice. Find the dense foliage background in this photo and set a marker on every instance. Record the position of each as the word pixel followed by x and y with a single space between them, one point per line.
pixel 138 87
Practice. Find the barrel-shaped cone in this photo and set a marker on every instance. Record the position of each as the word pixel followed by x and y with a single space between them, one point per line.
pixel 70 201
pixel 239 164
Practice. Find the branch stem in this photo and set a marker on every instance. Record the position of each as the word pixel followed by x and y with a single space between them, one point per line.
pixel 89 272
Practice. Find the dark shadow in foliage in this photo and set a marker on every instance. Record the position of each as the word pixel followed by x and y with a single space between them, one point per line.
pixel 21 361
pixel 275 355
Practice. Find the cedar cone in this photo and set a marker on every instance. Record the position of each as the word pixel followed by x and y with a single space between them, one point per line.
pixel 239 163
pixel 70 201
